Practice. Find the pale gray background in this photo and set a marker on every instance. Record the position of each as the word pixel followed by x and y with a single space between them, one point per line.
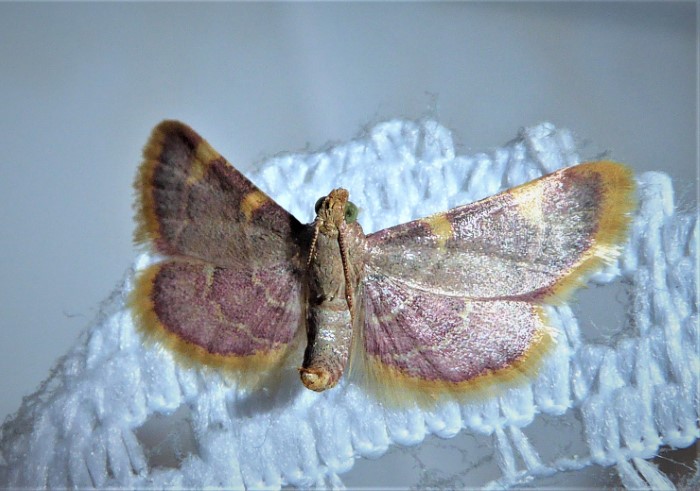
pixel 81 86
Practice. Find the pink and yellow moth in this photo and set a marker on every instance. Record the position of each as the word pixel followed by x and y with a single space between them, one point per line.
pixel 437 306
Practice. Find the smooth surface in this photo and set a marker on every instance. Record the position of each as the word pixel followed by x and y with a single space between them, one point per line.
pixel 83 84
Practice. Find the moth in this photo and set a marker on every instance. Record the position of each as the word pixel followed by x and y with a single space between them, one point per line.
pixel 439 305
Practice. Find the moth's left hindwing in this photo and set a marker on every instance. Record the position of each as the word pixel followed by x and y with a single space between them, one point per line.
pixel 230 294
pixel 482 270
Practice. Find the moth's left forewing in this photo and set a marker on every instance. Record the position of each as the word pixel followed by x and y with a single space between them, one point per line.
pixel 192 202
pixel 475 272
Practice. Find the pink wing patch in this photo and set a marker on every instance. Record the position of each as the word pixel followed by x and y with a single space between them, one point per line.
pixel 434 344
pixel 240 319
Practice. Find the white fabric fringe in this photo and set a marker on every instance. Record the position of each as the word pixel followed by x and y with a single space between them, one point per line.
pixel 629 393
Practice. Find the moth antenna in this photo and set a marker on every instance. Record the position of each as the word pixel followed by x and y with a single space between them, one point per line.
pixel 312 249
pixel 346 269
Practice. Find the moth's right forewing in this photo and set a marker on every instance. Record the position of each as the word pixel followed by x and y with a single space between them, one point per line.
pixel 534 242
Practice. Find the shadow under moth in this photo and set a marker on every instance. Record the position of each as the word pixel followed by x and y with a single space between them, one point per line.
pixel 438 306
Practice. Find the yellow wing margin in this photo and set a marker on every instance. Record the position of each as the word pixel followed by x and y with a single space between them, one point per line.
pixel 618 203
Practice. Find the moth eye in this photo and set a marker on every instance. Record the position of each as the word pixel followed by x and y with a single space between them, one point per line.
pixel 350 212
pixel 318 204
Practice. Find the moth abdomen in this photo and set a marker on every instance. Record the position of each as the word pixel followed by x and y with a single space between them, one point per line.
pixel 329 332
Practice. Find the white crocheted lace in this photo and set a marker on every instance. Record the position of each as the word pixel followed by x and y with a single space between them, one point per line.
pixel 607 400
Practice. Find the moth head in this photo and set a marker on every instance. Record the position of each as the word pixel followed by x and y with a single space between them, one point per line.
pixel 336 207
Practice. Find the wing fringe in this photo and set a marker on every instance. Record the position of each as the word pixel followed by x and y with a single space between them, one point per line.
pixel 147 226
pixel 616 211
